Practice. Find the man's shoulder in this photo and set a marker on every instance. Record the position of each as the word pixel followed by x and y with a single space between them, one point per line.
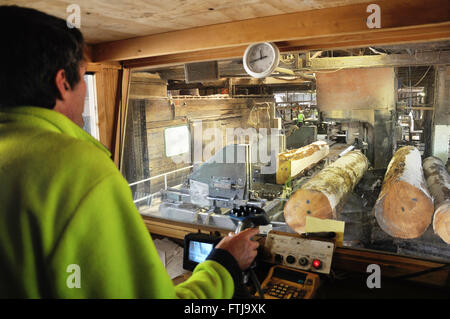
pixel 76 151
pixel 63 157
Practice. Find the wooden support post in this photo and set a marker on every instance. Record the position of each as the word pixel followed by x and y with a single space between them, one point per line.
pixel 440 130
pixel 324 195
pixel 404 207
pixel 438 181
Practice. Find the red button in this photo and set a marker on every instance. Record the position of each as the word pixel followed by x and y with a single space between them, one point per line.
pixel 317 263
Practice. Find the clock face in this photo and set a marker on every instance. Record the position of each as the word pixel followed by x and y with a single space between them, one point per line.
pixel 261 59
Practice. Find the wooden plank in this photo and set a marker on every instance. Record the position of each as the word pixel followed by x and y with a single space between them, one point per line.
pixel 105 20
pixel 178 230
pixel 391 265
pixel 121 117
pixel 339 21
pixel 418 108
pixel 412 34
pixel 426 33
pixel 422 58
pixel 108 84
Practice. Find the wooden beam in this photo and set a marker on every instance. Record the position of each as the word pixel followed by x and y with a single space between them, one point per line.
pixel 422 58
pixel 310 26
pixel 416 108
pixel 427 33
pixel 187 57
pixel 121 116
pixel 402 35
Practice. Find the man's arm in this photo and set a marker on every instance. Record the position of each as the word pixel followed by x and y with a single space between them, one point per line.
pixel 108 242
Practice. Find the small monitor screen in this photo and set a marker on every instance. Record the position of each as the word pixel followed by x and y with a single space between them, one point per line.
pixel 198 251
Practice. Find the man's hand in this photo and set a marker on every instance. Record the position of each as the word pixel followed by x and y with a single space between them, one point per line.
pixel 241 246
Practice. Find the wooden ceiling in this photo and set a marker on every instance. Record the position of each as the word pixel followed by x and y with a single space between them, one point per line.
pixel 111 20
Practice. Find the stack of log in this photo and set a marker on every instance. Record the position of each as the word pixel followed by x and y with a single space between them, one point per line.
pixel 324 195
pixel 404 207
pixel 438 181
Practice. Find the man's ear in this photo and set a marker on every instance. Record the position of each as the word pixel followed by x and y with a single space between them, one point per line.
pixel 61 83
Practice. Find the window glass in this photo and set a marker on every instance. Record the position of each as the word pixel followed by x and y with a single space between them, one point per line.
pixel 90 113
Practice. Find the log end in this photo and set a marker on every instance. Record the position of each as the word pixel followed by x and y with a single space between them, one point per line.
pixel 405 211
pixel 441 222
pixel 283 172
pixel 305 202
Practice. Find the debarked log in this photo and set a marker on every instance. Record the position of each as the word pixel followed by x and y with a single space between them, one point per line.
pixel 324 195
pixel 438 181
pixel 295 162
pixel 404 206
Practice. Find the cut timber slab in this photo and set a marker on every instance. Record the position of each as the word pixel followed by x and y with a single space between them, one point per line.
pixel 404 207
pixel 323 196
pixel 295 162
pixel 438 181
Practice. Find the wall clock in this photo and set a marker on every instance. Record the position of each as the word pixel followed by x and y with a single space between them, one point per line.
pixel 261 59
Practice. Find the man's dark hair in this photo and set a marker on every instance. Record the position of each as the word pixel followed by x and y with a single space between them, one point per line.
pixel 35 46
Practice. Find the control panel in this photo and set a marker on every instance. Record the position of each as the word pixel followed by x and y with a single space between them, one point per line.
pixel 286 283
pixel 291 250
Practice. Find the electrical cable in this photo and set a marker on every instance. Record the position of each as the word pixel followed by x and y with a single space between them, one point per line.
pixel 256 283
pixel 422 76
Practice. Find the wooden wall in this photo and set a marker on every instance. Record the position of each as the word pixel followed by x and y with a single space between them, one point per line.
pixel 112 89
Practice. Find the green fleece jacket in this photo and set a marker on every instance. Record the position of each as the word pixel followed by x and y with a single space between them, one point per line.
pixel 68 225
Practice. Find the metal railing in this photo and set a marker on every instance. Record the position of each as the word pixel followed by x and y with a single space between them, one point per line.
pixel 155 177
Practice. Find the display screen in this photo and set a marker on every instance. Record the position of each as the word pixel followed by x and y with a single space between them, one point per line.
pixel 198 251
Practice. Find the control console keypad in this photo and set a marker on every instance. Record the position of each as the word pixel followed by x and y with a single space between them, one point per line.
pixel 283 291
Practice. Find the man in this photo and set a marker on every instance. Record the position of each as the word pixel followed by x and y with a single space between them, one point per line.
pixel 68 225
pixel 300 118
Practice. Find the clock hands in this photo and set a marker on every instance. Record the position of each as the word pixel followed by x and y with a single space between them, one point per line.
pixel 261 58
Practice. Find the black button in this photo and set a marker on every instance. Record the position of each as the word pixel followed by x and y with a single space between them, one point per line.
pixel 278 258
pixel 290 259
pixel 303 261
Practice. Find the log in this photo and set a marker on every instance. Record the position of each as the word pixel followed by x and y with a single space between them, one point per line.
pixel 404 207
pixel 438 181
pixel 324 195
pixel 295 162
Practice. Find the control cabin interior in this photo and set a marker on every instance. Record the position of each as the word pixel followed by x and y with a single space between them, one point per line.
pixel 324 106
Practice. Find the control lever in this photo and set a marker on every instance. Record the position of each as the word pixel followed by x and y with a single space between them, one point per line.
pixel 250 222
